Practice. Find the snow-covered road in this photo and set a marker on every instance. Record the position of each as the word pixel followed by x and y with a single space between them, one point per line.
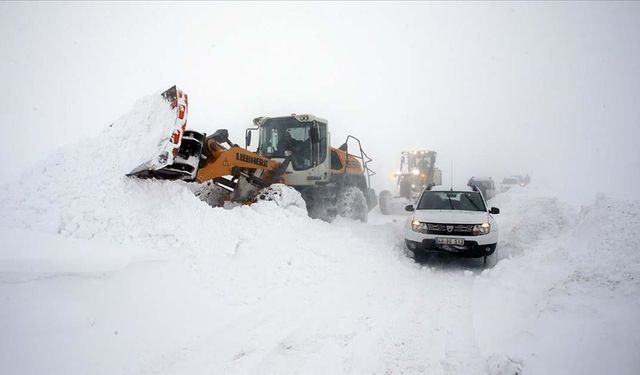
pixel 328 298
pixel 356 307
pixel 100 274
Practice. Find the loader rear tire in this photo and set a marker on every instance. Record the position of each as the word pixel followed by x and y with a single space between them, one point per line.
pixel 321 203
pixel 352 204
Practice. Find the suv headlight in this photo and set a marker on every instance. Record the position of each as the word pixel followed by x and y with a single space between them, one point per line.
pixel 418 226
pixel 483 228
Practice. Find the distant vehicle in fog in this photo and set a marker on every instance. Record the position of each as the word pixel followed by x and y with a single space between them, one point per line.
pixel 485 184
pixel 417 171
pixel 510 181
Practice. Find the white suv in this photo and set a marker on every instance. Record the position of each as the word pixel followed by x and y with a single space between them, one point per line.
pixel 451 221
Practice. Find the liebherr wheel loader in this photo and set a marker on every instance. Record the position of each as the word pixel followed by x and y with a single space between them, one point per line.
pixel 292 150
pixel 417 171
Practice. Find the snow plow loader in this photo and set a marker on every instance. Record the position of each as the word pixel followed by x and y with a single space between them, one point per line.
pixel 417 171
pixel 292 152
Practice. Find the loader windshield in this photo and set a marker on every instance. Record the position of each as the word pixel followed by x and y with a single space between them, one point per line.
pixel 278 135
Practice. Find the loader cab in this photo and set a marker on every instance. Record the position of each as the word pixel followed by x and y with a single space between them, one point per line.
pixel 305 138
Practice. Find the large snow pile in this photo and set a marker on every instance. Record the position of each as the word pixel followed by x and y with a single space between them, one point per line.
pixel 103 274
pixel 82 190
pixel 566 300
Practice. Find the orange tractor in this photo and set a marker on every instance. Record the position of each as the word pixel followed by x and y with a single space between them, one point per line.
pixel 293 152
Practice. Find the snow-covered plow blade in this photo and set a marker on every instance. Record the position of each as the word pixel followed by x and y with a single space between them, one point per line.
pixel 179 153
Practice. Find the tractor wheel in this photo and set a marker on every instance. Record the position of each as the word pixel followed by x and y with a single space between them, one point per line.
pixel 321 204
pixel 405 188
pixel 352 204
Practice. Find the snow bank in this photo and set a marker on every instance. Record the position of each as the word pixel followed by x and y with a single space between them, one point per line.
pixel 565 299
pixel 29 255
pixel 81 190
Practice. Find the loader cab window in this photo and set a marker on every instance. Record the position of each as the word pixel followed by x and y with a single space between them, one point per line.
pixel 278 135
pixel 424 163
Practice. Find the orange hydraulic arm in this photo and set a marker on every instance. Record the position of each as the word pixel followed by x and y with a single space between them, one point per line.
pixel 223 161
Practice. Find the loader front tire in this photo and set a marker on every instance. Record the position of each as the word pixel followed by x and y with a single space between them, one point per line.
pixel 282 195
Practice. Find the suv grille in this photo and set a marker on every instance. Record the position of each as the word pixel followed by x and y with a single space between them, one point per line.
pixel 450 229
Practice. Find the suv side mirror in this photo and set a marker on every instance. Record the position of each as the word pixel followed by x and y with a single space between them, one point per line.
pixel 494 211
pixel 409 208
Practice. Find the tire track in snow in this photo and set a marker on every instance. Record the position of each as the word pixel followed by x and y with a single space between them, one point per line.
pixel 237 344
pixel 393 318
pixel 462 355
pixel 370 328
pixel 436 335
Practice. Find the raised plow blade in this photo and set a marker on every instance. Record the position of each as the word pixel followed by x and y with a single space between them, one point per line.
pixel 185 162
pixel 179 153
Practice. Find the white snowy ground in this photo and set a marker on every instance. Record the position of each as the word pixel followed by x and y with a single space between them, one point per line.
pixel 101 274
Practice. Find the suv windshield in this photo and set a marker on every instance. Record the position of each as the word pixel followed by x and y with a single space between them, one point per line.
pixel 451 200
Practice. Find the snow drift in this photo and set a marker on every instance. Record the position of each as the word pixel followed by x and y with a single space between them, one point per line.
pixel 565 301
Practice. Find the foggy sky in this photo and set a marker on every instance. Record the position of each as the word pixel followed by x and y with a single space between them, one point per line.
pixel 549 89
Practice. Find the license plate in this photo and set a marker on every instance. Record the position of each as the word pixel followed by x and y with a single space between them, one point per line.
pixel 450 241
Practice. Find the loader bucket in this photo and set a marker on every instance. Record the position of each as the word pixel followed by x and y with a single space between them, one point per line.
pixel 179 152
pixel 171 95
